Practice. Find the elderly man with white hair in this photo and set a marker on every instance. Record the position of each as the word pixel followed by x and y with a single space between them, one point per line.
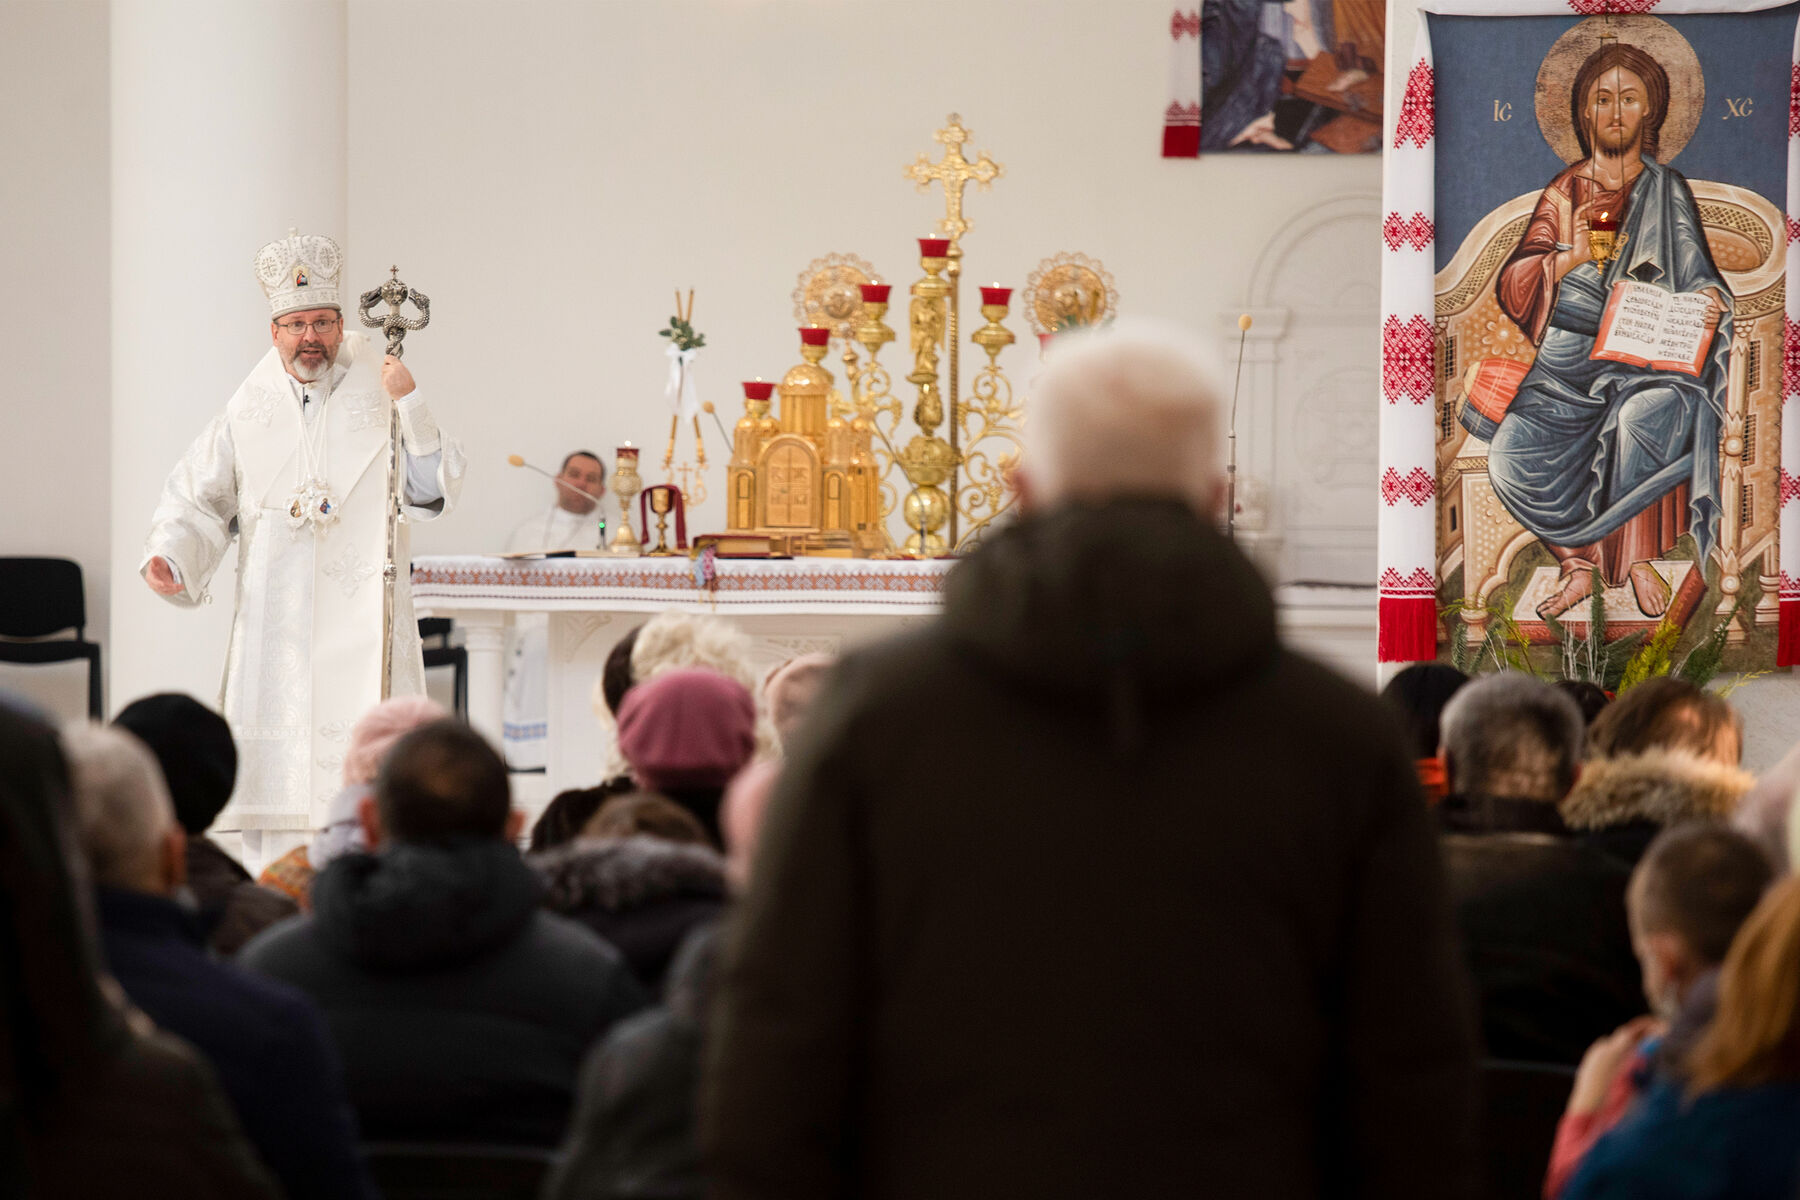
pixel 1162 915
pixel 266 1040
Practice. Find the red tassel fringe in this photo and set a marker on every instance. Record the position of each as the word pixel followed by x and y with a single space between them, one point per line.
pixel 1181 141
pixel 1787 640
pixel 1406 629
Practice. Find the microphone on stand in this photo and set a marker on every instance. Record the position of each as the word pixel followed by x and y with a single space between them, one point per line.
pixel 519 461
pixel 1231 436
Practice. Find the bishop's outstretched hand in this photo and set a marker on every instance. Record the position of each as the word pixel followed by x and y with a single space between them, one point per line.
pixel 161 579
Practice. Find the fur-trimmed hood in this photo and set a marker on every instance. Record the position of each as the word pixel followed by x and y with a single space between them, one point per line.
pixel 1660 786
pixel 620 874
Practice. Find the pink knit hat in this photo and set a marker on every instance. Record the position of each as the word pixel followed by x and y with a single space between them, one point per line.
pixel 687 729
pixel 376 731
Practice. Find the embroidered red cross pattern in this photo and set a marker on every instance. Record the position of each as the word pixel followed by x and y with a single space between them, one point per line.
pixel 1406 363
pixel 1790 488
pixel 1593 8
pixel 1417 487
pixel 1794 100
pixel 1184 24
pixel 1418 114
pixel 1414 231
pixel 1790 586
pixel 1790 355
pixel 1420 582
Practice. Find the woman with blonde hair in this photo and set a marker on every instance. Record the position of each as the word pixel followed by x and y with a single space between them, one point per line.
pixel 1729 1128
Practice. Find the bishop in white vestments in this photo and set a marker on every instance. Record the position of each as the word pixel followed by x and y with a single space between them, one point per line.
pixel 296 468
pixel 573 522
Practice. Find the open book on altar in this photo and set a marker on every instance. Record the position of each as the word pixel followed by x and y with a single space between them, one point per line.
pixel 1648 326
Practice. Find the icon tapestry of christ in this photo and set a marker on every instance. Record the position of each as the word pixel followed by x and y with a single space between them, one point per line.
pixel 1606 461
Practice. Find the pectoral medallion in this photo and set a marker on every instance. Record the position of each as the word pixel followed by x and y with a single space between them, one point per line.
pixel 312 504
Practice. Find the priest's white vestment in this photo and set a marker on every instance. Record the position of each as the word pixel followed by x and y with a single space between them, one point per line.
pixel 305 655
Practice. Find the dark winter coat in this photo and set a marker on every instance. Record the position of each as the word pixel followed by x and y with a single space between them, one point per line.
pixel 643 894
pixel 461 1009
pixel 266 1041
pixel 233 907
pixel 1542 920
pixel 1619 805
pixel 1090 888
pixel 632 1137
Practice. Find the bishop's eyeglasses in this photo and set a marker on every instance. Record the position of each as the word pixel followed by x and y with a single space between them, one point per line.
pixel 321 326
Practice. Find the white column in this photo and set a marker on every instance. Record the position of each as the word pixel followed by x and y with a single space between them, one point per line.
pixel 228 126
pixel 484 637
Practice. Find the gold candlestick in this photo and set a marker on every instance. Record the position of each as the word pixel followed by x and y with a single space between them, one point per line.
pixel 626 485
pixel 981 494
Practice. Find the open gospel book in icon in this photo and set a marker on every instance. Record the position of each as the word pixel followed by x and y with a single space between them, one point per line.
pixel 1648 326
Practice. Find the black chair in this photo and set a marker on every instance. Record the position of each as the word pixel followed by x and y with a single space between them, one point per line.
pixel 1522 1104
pixel 39 597
pixel 443 654
pixel 423 1171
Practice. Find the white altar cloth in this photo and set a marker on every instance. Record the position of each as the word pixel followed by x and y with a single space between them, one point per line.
pixel 788 606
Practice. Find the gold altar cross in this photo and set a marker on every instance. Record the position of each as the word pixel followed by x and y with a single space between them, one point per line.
pixel 953 171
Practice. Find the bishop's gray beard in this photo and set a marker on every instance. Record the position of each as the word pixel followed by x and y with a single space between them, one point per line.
pixel 306 374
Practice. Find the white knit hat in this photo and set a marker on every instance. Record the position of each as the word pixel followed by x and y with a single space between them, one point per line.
pixel 299 272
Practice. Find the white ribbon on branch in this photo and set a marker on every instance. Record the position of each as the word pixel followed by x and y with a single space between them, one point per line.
pixel 683 396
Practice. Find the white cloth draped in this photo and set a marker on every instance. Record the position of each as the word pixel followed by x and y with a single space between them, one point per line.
pixel 305 655
pixel 525 721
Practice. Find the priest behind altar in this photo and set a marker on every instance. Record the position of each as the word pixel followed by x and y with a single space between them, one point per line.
pixel 296 468
pixel 572 522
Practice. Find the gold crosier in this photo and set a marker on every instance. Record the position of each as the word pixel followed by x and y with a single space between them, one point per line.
pixel 928 459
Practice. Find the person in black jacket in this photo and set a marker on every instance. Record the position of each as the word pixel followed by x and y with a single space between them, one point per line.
pixel 1090 887
pixel 461 1008
pixel 1541 913
pixel 266 1040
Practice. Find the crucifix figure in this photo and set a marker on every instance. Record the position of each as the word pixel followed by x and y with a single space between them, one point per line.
pixel 953 171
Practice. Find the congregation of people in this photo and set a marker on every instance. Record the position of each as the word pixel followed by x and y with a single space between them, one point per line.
pixel 1176 912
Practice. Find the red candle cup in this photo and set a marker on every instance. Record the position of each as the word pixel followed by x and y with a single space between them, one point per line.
pixel 934 247
pixel 876 293
pixel 756 389
pixel 630 452
pixel 815 335
pixel 1606 222
pixel 996 295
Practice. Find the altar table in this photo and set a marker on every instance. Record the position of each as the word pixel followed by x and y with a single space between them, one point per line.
pixel 788 607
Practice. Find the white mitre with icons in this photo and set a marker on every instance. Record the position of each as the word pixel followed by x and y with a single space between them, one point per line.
pixel 298 272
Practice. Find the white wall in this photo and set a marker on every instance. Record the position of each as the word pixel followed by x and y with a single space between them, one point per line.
pixel 550 173
pixel 55 477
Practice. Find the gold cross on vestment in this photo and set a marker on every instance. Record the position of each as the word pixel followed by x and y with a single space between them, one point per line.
pixel 954 171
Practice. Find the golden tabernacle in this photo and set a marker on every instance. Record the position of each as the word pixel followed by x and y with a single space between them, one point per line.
pixel 808 480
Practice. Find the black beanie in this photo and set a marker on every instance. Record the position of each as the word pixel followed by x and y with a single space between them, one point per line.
pixel 193 744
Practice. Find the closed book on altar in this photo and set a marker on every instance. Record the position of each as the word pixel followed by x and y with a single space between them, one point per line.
pixel 1648 326
pixel 1488 388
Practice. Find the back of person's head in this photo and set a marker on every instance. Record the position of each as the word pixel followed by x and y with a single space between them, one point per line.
pixel 54 1018
pixel 1699 881
pixel 1668 714
pixel 674 641
pixel 687 729
pixel 790 688
pixel 645 813
pixel 568 813
pixel 1418 694
pixel 442 781
pixel 123 817
pixel 193 746
pixel 1755 1036
pixel 376 731
pixel 1135 409
pixel 615 677
pixel 1513 736
pixel 1588 696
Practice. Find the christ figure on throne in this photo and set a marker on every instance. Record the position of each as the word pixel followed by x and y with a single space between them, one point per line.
pixel 1609 463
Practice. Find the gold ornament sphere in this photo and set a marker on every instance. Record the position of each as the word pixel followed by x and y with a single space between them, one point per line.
pixel 925 506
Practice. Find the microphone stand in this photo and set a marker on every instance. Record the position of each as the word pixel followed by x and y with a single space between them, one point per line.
pixel 1231 437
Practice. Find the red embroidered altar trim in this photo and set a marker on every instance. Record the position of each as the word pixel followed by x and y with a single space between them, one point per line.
pixel 1414 231
pixel 1418 114
pixel 1406 359
pixel 1416 487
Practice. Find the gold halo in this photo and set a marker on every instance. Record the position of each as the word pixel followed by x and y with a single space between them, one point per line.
pixel 1652 35
pixel 828 293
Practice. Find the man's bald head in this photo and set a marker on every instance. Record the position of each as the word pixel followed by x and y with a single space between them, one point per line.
pixel 1133 410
